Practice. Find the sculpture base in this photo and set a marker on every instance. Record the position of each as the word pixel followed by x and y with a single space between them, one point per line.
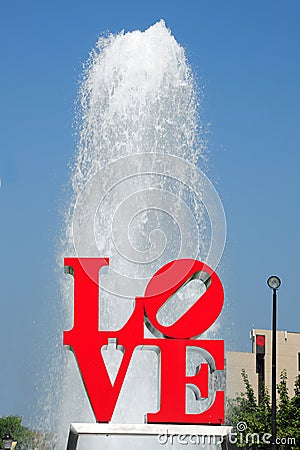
pixel 212 434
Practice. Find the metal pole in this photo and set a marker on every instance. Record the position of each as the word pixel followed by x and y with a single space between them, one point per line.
pixel 274 373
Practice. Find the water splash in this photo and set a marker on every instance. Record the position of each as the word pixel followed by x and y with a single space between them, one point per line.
pixel 138 95
pixel 138 125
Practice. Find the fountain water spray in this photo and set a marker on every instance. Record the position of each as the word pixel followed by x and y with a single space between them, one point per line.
pixel 139 198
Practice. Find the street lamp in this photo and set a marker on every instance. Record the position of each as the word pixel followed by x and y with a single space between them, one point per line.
pixel 7 441
pixel 274 283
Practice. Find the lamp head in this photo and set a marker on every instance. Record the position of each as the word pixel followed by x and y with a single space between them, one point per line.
pixel 274 282
pixel 7 441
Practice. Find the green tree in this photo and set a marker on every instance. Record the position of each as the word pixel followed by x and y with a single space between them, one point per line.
pixel 295 412
pixel 26 438
pixel 283 407
pixel 257 417
pixel 245 410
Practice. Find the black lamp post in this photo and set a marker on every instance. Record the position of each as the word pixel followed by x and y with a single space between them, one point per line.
pixel 274 283
pixel 7 441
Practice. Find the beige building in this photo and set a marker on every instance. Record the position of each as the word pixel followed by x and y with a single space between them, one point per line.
pixel 258 363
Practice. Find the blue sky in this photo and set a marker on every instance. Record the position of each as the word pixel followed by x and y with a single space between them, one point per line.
pixel 246 54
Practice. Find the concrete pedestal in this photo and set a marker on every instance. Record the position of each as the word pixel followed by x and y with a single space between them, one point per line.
pixel 214 434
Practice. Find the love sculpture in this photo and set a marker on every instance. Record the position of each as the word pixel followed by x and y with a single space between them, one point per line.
pixel 171 342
